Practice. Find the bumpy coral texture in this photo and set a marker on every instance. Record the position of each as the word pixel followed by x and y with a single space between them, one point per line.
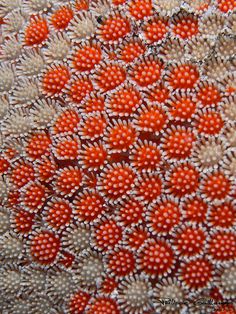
pixel 118 156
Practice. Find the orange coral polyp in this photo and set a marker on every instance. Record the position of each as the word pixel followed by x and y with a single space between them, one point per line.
pixel 37 31
pixel 93 156
pixel 38 145
pixel 89 206
pixel 216 186
pixel 151 119
pixel 208 95
pixel 79 89
pixel 189 241
pixel 103 305
pixel 210 123
pixel 183 108
pixel 183 76
pixel 44 247
pixel 146 156
pixel 23 221
pixel 4 165
pixel 45 169
pixel 226 5
pixel 148 187
pixel 222 215
pixel 178 143
pixel 85 58
pixel 131 212
pixel 55 79
pixel 136 238
pixel 157 219
pixel 68 180
pixel 121 262
pixel 121 137
pixel 222 246
pixel 146 72
pixel 66 148
pixel 196 274
pixel 155 30
pixel 33 196
pixel 66 122
pixel 94 126
pixel 58 213
pixel 124 101
pixel 131 50
pixel 157 258
pixel 195 210
pixel 183 180
pixel 139 9
pixel 110 76
pixel 107 235
pixel 81 5
pixel 78 302
pixel 21 174
pixel 186 28
pixel 114 28
pixel 61 17
pixel 117 181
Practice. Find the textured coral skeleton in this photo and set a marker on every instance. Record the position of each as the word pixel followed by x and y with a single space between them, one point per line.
pixel 118 156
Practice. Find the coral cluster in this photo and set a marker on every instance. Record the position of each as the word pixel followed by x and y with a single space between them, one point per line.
pixel 118 156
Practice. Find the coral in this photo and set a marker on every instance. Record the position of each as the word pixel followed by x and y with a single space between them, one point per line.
pixel 117 156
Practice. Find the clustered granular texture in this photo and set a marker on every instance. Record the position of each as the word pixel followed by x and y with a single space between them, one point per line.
pixel 118 156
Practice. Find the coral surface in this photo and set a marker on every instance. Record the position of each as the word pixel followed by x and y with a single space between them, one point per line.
pixel 118 156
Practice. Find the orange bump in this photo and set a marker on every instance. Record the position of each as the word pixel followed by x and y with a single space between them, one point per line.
pixel 37 31
pixel 55 79
pixel 61 17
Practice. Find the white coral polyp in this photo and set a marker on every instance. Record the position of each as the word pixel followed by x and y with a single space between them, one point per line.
pixel 7 6
pixel 169 290
pixel 90 271
pixel 13 23
pixel 209 153
pixel 226 46
pixel 4 221
pixel 37 6
pixel 212 24
pixel 134 295
pixel 228 281
pixel 81 26
pixel 6 78
pixel 199 48
pixel 57 48
pixel 173 49
pixel 229 164
pixel 218 68
pixel 10 281
pixel 19 306
pixel 100 7
pixel 25 91
pixel 59 285
pixel 17 124
pixel 31 63
pixel 230 135
pixel 77 239
pixel 229 108
pixel 33 280
pixel 168 7
pixel 4 106
pixel 10 247
pixel 11 49
pixel 3 190
pixel 43 112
